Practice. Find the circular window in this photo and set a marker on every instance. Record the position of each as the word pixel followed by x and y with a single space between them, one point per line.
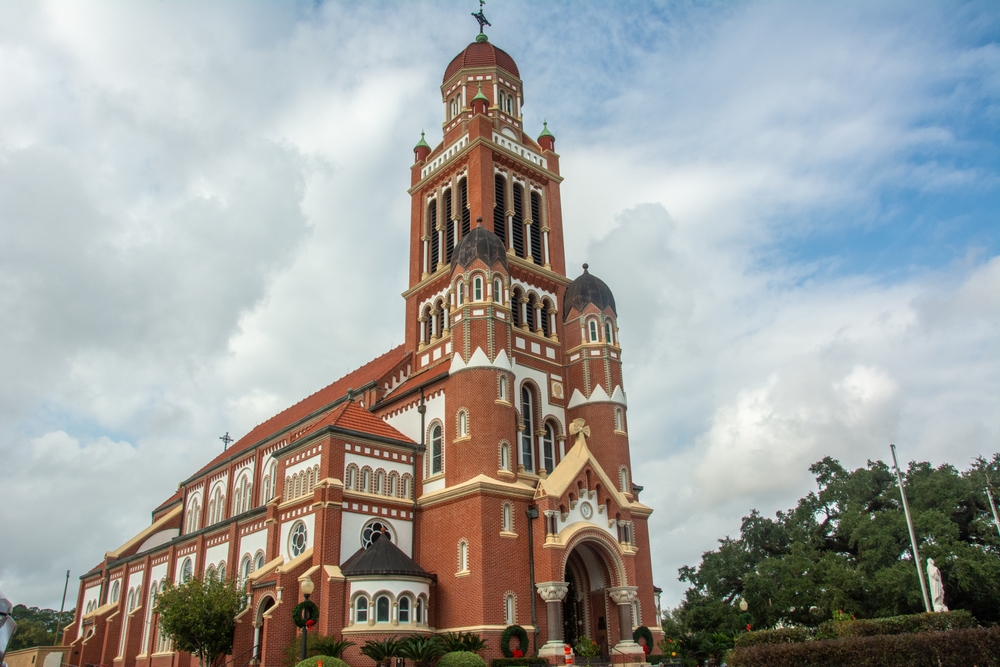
pixel 374 531
pixel 297 539
pixel 586 510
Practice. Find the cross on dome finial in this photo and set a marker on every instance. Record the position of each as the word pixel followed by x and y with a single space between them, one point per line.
pixel 482 21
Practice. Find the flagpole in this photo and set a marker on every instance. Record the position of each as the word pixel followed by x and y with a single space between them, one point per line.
pixel 913 535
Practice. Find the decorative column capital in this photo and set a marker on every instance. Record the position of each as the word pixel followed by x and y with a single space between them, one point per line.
pixel 624 594
pixel 552 591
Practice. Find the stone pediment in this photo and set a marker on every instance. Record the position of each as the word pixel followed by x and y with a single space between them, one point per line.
pixel 564 476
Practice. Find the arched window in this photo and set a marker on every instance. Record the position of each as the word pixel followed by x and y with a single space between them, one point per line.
pixel 115 591
pixel 500 208
pixel 366 480
pixel 463 424
pixel 222 571
pixel 517 222
pixel 454 107
pixel 546 307
pixel 619 420
pixel 427 325
pixel 243 495
pixel 432 232
pixel 593 331
pixel 405 486
pixel 463 199
pixel 515 307
pixel 404 609
pixel 527 435
pixel 380 482
pixel 187 570
pixel 393 484
pixel 463 556
pixel 504 456
pixel 418 613
pixel 361 609
pixel 449 225
pixel 608 336
pixel 193 514
pixel 246 568
pixel 460 292
pixel 382 609
pixel 437 450
pixel 530 312
pixel 509 614
pixel 502 98
pixel 477 288
pixel 536 228
pixel 548 448
pixel 498 290
pixel 210 573
pixel 439 318
pixel 258 561
pixel 352 477
pixel 150 605
pixel 623 480
pixel 502 387
pixel 217 506
pixel 507 519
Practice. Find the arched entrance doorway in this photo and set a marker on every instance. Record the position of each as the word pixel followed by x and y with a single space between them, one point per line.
pixel 259 619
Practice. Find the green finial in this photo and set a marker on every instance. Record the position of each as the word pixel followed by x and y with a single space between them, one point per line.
pixel 480 96
pixel 481 37
pixel 422 143
pixel 545 131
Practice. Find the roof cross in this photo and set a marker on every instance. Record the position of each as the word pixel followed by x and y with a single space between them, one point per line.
pixel 481 17
pixel 226 440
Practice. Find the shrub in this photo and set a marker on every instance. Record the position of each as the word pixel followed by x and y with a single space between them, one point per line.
pixel 895 625
pixel 516 662
pixel 779 636
pixel 461 659
pixel 951 648
pixel 327 660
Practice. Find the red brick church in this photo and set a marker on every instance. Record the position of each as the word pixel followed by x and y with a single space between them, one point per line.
pixel 475 477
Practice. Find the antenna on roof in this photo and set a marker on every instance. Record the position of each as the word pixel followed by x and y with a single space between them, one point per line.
pixel 226 440
pixel 481 18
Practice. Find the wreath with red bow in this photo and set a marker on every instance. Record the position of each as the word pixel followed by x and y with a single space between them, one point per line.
pixel 305 614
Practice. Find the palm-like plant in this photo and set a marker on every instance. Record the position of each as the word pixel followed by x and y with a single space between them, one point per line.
pixel 328 646
pixel 473 643
pixel 421 650
pixel 382 652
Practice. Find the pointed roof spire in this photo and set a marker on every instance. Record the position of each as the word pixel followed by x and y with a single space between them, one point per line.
pixel 422 143
pixel 545 130
pixel 480 96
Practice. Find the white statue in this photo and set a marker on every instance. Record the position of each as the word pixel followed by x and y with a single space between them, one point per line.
pixel 937 588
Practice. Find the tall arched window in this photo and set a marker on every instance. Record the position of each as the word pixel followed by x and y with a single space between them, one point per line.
pixel 380 482
pixel 465 215
pixel 507 518
pixel 530 312
pixel 515 307
pixel 453 108
pixel 405 485
pixel 217 506
pixel 404 609
pixel 623 480
pixel 619 420
pixel 536 228
pixel 463 424
pixel 366 480
pixel 243 495
pixel 437 450
pixel 439 322
pixel 508 610
pixel 517 222
pixel 258 561
pixel 477 288
pixel 392 484
pixel 432 232
pixel 382 609
pixel 115 591
pixel 449 225
pixel 193 514
pixel 593 331
pixel 608 335
pixel 246 568
pixel 498 290
pixel 150 605
pixel 187 570
pixel 548 449
pixel 527 435
pixel 546 307
pixel 418 612
pixel 352 477
pixel 460 292
pixel 502 387
pixel 500 208
pixel 463 556
pixel 504 456
pixel 361 609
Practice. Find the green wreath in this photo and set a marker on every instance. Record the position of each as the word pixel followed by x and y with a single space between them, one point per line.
pixel 643 632
pixel 513 631
pixel 305 612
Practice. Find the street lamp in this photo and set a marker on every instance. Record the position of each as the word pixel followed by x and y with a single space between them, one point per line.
pixel 307 588
pixel 743 604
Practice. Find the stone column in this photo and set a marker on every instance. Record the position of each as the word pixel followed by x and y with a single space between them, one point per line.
pixel 553 593
pixel 624 596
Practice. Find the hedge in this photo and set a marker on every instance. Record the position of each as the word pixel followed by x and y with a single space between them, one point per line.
pixel 459 659
pixel 328 661
pixel 897 625
pixel 951 648
pixel 779 636
pixel 512 662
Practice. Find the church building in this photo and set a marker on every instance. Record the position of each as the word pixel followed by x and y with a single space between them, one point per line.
pixel 477 476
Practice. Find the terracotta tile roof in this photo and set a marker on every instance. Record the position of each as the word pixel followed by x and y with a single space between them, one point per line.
pixel 481 54
pixel 373 371
pixel 353 417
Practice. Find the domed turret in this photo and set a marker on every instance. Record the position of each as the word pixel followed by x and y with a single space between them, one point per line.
pixel 587 289
pixel 479 244
pixel 481 54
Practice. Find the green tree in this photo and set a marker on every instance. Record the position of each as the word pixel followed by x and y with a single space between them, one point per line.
pixel 846 547
pixel 200 616
pixel 381 651
pixel 37 627
pixel 421 650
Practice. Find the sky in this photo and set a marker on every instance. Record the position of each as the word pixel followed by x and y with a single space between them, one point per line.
pixel 204 218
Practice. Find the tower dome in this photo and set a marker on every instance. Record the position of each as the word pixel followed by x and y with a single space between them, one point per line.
pixel 481 54
pixel 587 289
pixel 479 244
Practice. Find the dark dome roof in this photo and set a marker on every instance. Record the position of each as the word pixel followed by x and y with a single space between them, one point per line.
pixel 481 54
pixel 382 558
pixel 588 289
pixel 479 244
